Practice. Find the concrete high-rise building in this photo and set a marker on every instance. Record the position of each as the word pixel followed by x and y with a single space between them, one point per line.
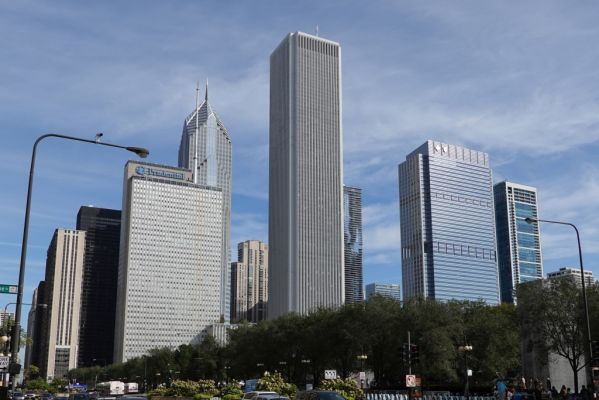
pixel 383 289
pixel 5 317
pixel 448 248
pixel 60 330
pixel 205 149
pixel 249 282
pixel 352 241
pixel 169 280
pixel 573 274
pixel 305 176
pixel 98 293
pixel 518 243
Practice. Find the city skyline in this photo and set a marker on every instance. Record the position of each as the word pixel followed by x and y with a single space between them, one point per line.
pixel 144 104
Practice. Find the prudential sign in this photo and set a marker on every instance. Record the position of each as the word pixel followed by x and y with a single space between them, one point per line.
pixel 141 170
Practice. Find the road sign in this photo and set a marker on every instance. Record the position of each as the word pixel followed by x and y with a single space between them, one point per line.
pixel 4 361
pixel 11 289
pixel 410 381
pixel 330 374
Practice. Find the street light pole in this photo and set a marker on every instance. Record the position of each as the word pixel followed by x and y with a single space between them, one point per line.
pixel 465 349
pixel 141 152
pixel 531 220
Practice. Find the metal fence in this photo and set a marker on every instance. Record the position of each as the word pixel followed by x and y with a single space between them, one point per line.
pixel 402 396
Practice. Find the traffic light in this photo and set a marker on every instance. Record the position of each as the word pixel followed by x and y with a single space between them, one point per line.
pixel 414 353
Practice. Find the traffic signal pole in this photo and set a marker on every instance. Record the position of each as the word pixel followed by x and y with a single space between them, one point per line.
pixel 409 354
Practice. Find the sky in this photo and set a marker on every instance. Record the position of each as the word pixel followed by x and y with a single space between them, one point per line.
pixel 518 80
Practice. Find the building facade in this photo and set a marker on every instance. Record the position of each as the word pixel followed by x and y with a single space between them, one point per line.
pixel 352 244
pixel 448 247
pixel 98 293
pixel 518 242
pixel 206 150
pixel 249 282
pixel 305 176
pixel 169 279
pixel 35 348
pixel 383 289
pixel 30 328
pixel 64 276
pixel 5 317
pixel 573 274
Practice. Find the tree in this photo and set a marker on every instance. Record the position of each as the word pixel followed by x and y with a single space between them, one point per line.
pixel 552 317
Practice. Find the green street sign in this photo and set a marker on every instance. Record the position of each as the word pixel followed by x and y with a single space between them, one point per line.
pixel 11 289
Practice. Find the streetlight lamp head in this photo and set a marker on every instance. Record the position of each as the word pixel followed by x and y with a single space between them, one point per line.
pixel 530 220
pixel 140 151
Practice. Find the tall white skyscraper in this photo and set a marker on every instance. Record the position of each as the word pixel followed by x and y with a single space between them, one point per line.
pixel 169 279
pixel 518 242
pixel 305 176
pixel 64 275
pixel 448 245
pixel 205 149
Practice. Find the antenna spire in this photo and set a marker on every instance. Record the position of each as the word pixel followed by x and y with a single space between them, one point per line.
pixel 316 30
pixel 206 96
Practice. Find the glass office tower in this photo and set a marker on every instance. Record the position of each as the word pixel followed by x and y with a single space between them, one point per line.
pixel 98 290
pixel 448 248
pixel 352 237
pixel 390 290
pixel 205 149
pixel 518 243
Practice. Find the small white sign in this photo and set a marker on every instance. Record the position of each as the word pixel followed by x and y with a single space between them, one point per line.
pixel 330 374
pixel 469 372
pixel 410 380
pixel 4 361
pixel 362 375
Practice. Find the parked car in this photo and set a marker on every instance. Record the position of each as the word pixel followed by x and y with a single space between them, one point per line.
pixel 318 395
pixel 271 397
pixel 79 396
pixel 254 394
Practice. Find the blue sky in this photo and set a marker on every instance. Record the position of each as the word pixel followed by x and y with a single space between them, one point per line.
pixel 518 80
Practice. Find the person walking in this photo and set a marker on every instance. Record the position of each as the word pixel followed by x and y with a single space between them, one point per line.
pixel 563 393
pixel 501 389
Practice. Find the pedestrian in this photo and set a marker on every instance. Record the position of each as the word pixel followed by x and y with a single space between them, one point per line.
pixel 563 393
pixel 554 393
pixel 584 393
pixel 501 389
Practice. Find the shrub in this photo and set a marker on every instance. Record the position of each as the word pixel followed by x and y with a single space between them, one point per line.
pixel 275 383
pixel 233 388
pixel 348 388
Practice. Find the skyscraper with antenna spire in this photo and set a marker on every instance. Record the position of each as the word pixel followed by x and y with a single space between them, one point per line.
pixel 205 149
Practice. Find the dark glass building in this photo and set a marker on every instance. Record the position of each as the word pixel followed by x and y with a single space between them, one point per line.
pixel 98 294
pixel 37 332
pixel 448 246
pixel 518 243
pixel 352 244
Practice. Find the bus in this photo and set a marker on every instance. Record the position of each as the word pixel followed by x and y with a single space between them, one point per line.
pixel 110 388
